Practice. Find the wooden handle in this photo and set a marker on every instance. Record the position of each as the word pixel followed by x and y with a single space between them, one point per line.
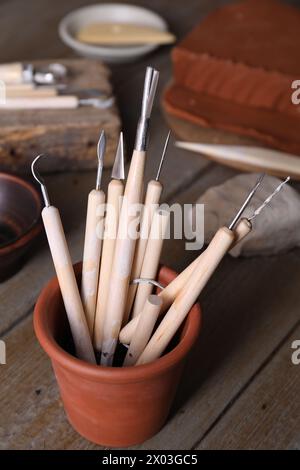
pixel 171 291
pixel 123 258
pixel 21 92
pixel 181 306
pixel 146 323
pixel 67 282
pixel 51 102
pixel 151 259
pixel 114 193
pixel 123 34
pixel 94 229
pixel 11 72
pixel 153 193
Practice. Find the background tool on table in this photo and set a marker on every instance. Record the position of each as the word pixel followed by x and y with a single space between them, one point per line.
pixel 55 102
pixel 75 131
pixel 169 294
pixel 65 274
pixel 113 205
pixel 146 323
pixel 249 158
pixel 16 72
pixel 93 242
pixel 153 193
pixel 123 34
pixel 125 244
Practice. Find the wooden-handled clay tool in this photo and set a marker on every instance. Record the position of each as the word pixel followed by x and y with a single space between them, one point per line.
pixel 151 259
pixel 187 297
pixel 16 72
pixel 153 193
pixel 146 323
pixel 214 253
pixel 125 243
pixel 55 102
pixel 169 294
pixel 25 90
pixel 125 34
pixel 94 229
pixel 113 205
pixel 65 274
pixel 270 161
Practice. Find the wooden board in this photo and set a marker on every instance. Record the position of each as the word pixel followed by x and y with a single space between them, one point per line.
pixel 241 337
pixel 69 136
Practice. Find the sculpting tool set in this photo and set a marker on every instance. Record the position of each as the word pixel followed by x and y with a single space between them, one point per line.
pixel 116 304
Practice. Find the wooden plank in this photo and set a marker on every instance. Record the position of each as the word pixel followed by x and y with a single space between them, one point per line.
pixel 236 340
pixel 239 333
pixel 32 415
pixel 68 135
pixel 267 414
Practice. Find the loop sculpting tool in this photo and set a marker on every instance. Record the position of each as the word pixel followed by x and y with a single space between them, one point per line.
pixel 114 196
pixel 93 242
pixel 65 274
pixel 126 239
pixel 215 251
pixel 169 294
pixel 153 193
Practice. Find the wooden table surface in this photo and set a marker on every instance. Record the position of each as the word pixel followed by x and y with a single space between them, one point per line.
pixel 240 389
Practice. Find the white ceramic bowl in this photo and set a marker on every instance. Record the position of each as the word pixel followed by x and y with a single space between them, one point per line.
pixel 109 12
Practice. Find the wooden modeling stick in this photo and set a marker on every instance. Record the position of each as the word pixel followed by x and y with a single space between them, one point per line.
pixel 146 323
pixel 65 275
pixel 114 194
pixel 93 242
pixel 153 193
pixel 123 34
pixel 125 243
pixel 151 259
pixel 173 289
pixel 249 158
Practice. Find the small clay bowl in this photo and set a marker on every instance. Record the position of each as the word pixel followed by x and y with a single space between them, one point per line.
pixel 20 222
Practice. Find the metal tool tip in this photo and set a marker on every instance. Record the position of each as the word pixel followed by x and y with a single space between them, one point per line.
pixel 35 172
pixel 100 153
pixel 150 85
pixel 163 156
pixel 118 171
pixel 247 201
pixel 40 180
pixel 101 145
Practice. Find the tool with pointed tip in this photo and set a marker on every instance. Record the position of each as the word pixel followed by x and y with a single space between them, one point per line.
pixel 249 158
pixel 114 196
pixel 169 294
pixel 93 242
pixel 218 247
pixel 153 193
pixel 125 244
pixel 65 274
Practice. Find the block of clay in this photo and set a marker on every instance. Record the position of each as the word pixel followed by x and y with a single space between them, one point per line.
pixel 235 71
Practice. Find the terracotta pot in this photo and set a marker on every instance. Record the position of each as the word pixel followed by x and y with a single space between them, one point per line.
pixel 112 406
